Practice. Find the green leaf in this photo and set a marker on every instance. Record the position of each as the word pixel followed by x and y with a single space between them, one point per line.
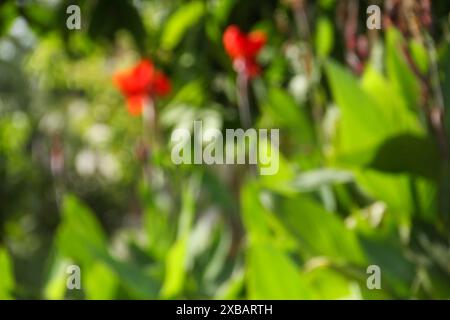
pixel 81 238
pixel 175 269
pixel 158 227
pixel 180 22
pixel 254 215
pixel 361 127
pixel 287 113
pixel 331 285
pixel 397 272
pixel 232 288
pixel 122 15
pixel 177 257
pixel 399 71
pixel 395 109
pixel 80 232
pixel 56 284
pixel 221 9
pixel 408 154
pixel 420 55
pixel 271 274
pixel 192 93
pixel 280 170
pixel 327 4
pixel 320 233
pixel 366 121
pixel 316 179
pixel 7 276
pixel 141 283
pixel 324 37
pixel 260 223
pixel 7 15
pixel 100 283
pixel 403 194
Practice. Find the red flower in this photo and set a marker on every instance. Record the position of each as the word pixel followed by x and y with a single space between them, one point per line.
pixel 141 82
pixel 243 49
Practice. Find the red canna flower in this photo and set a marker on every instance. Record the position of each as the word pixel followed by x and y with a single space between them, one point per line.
pixel 141 82
pixel 243 49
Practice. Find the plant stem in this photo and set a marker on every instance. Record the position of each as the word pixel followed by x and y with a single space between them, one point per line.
pixel 301 19
pixel 243 101
pixel 150 137
pixel 150 124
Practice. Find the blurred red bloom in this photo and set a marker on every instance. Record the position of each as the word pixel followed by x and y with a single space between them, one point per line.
pixel 141 82
pixel 243 49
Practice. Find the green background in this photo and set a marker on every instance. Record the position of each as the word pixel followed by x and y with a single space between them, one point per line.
pixel 364 175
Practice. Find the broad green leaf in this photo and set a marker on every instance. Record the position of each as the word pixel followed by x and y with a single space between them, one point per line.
pixel 80 232
pixel 362 124
pixel 254 215
pixel 56 284
pixel 100 283
pixel 218 12
pixel 271 274
pixel 365 121
pixel 122 15
pixel 192 93
pixel 408 154
pixel 175 269
pixel 390 102
pixel 81 238
pixel 6 276
pixel 278 174
pixel 320 233
pixel 398 69
pixel 439 288
pixel 397 272
pixel 403 194
pixel 287 113
pixel 7 15
pixel 177 258
pixel 221 9
pixel 160 232
pixel 180 22
pixel 139 282
pixel 261 224
pixel 332 285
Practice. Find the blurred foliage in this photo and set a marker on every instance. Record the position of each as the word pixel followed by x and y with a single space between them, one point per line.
pixel 364 165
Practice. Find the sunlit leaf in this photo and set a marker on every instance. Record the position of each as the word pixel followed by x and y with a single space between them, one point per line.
pixel 324 37
pixel 398 69
pixel 180 22
pixel 7 282
pixel 271 274
pixel 320 233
